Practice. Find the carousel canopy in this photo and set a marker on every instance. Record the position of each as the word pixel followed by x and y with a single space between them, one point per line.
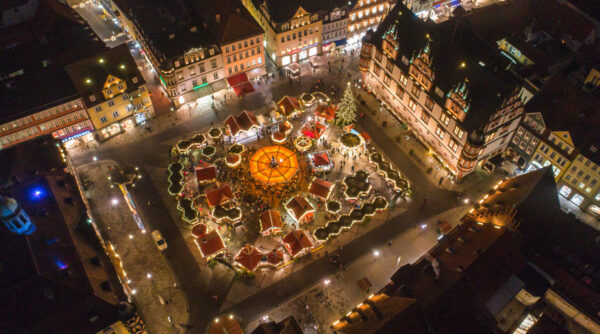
pixel 249 257
pixel 288 105
pixel 320 188
pixel 242 122
pixel 296 241
pixel 298 207
pixel 273 164
pixel 218 196
pixel 320 159
pixel 314 130
pixel 210 243
pixel 270 219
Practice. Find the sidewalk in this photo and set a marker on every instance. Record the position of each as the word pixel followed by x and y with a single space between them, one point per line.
pixel 148 272
pixel 336 295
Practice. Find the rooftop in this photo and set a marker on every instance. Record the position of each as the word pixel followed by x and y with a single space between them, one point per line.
pixel 281 11
pixel 234 22
pixel 458 54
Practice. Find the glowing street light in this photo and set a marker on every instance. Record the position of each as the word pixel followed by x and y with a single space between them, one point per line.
pixel 130 236
pixel 114 201
pixel 376 253
pixel 149 275
pixel 327 282
pixel 95 158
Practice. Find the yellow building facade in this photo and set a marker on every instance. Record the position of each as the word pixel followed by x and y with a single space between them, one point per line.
pixel 554 151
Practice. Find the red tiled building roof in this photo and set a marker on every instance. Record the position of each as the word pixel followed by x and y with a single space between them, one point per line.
pixel 288 104
pixel 299 207
pixel 219 196
pixel 204 174
pixel 270 219
pixel 321 159
pixel 320 188
pixel 242 122
pixel 296 241
pixel 249 257
pixel 210 243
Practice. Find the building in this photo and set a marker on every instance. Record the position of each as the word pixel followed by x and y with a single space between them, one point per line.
pixel 113 91
pixel 176 41
pixel 364 15
pixel 506 268
pixel 36 94
pixel 55 277
pixel 240 39
pixel 440 80
pixel 335 27
pixel 293 29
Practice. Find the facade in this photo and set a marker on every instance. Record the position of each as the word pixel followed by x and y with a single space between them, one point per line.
pixel 113 91
pixel 36 94
pixel 365 15
pixel 335 26
pixel 185 56
pixel 525 140
pixel 292 28
pixel 463 112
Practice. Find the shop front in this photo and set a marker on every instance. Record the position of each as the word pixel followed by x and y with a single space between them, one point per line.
pixel 109 131
pixel 71 136
pixel 300 54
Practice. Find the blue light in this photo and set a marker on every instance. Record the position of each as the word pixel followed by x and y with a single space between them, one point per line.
pixel 60 264
pixel 37 193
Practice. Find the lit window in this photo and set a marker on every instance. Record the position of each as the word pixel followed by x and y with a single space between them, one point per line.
pixel 444 118
pixel 566 191
pixel 439 131
pixel 412 105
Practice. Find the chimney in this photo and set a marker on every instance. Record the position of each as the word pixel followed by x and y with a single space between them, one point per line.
pixel 218 18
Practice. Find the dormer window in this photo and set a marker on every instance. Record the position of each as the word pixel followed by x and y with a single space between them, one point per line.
pixel 134 80
pixel 92 98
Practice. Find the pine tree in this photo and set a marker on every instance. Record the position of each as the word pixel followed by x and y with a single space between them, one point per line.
pixel 346 113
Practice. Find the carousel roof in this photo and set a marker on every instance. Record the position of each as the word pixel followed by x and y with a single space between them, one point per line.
pixel 320 188
pixel 210 243
pixel 249 257
pixel 298 207
pixel 273 164
pixel 270 219
pixel 206 173
pixel 321 159
pixel 296 241
pixel 218 196
pixel 314 130
pixel 288 104
pixel 244 121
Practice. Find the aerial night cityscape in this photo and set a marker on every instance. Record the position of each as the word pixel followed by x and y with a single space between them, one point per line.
pixel 300 166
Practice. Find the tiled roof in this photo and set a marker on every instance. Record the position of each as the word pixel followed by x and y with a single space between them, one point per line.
pixel 206 173
pixel 299 207
pixel 218 196
pixel 321 159
pixel 320 188
pixel 210 243
pixel 249 257
pixel 296 241
pixel 270 219
pixel 288 104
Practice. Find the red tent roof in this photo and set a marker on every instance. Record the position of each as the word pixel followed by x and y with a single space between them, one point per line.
pixel 270 219
pixel 210 243
pixel 321 159
pixel 320 188
pixel 299 207
pixel 206 173
pixel 249 257
pixel 313 131
pixel 296 241
pixel 218 196
pixel 288 104
pixel 275 256
pixel 327 112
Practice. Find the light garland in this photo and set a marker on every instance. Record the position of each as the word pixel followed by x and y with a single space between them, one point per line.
pixel 304 214
pixel 233 160
pixel 278 137
pixel 302 143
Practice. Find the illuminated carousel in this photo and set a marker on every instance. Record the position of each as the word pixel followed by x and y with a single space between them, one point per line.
pixel 273 165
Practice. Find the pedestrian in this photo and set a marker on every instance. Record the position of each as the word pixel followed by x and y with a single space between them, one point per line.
pixel 390 243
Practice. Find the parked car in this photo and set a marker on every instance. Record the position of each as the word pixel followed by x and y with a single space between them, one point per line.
pixel 159 240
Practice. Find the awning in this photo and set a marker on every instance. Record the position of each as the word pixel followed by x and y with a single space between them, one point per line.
pixel 237 79
pixel 243 89
pixel 341 42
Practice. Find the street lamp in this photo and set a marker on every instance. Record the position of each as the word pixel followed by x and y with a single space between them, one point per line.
pixel 376 253
pixel 326 282
pixel 130 236
pixel 149 275
pixel 423 226
pixel 114 201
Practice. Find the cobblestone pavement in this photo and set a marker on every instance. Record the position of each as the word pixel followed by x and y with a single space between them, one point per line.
pixel 149 273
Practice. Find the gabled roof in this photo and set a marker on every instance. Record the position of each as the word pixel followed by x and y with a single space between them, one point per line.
pixel 89 75
pixel 281 11
pixel 275 257
pixel 326 112
pixel 218 196
pixel 238 28
pixel 288 104
pixel 299 207
pixel 206 173
pixel 296 241
pixel 244 121
pixel 320 188
pixel 270 219
pixel 321 159
pixel 210 243
pixel 234 23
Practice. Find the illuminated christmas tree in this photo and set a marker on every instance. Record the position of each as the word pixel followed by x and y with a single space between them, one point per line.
pixel 346 113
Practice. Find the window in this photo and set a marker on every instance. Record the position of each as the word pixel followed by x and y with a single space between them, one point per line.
pixel 282 39
pixel 216 75
pixel 416 91
pixel 580 173
pixel 257 40
pixel 111 103
pixel 552 155
pixel 115 114
pixel 98 109
pixel 439 131
pixel 233 47
pixel 376 69
pixel 444 118
pixel 587 178
pixel 378 55
pixel 453 145
pixel 245 44
pixel 574 169
pixel 226 49
pixel 201 65
pixel 399 92
pixel 429 104
pixel 258 49
pixel 387 79
pixel 577 199
pixel 240 45
pixel 259 60
pixel 120 86
pixel 228 60
pixel 425 117
pixel 103 119
pixel 213 63
pixel 597 197
pixel 288 38
pixel 389 65
pixel 204 80
pixel 412 105
pixel 294 36
pixel 109 92
pixel 568 177
pixel 565 191
pixel 403 79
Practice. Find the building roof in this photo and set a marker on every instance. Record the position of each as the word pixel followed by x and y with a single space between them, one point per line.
pixel 281 11
pixel 210 244
pixel 296 241
pixel 298 207
pixel 249 257
pixel 234 22
pixel 321 159
pixel 199 230
pixel 89 75
pixel 244 121
pixel 270 219
pixel 452 43
pixel 288 104
pixel 286 326
pixel 275 256
pixel 206 173
pixel 326 112
pixel 33 54
pixel 320 188
pixel 219 195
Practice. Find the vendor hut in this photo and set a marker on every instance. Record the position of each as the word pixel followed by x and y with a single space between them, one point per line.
pixel 210 244
pixel 244 123
pixel 320 161
pixel 297 243
pixel 249 257
pixel 325 114
pixel 320 189
pixel 300 209
pixel 206 174
pixel 270 222
pixel 218 196
pixel 289 106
